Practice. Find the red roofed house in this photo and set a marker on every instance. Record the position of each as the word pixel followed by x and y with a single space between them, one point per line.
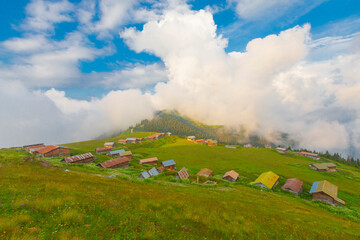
pixel 101 150
pixel 33 146
pixel 121 162
pixel 82 158
pixel 149 161
pixel 267 146
pixel 199 141
pixel 231 176
pixel 182 174
pixel 310 155
pixel 293 185
pixel 122 141
pixel 205 172
pixel 54 151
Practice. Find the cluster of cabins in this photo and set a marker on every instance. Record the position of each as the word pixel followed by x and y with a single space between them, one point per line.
pixel 209 142
pixel 323 191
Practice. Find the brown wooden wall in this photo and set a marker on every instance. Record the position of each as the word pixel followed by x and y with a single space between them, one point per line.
pixel 323 198
pixel 59 152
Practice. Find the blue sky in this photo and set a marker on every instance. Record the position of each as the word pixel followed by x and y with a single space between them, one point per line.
pixel 239 30
pixel 75 70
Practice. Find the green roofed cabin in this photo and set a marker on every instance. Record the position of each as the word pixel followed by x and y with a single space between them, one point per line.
pixel 323 167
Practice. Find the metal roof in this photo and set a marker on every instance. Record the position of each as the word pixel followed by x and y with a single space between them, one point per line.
pixel 131 139
pixel 323 166
pixel 127 153
pixel 34 145
pixel 228 146
pixel 47 149
pixel 104 149
pixel 144 174
pixel 268 179
pixel 191 137
pixel 168 163
pixel 234 175
pixel 116 151
pixel 153 172
pixel 147 160
pixel 293 184
pixel 308 153
pixel 183 174
pixel 326 187
pixel 109 143
pixel 114 162
pixel 281 149
pixel 205 172
pixel 78 158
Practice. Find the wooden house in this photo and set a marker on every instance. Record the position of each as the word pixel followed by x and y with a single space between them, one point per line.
pixel 231 176
pixel 310 155
pixel 205 172
pixel 126 154
pixel 152 160
pixel 293 185
pixel 144 175
pixel 54 151
pixel 168 134
pixel 191 138
pixel 131 140
pixel 116 152
pixel 31 147
pixel 200 140
pixel 249 145
pixel 182 174
pixel 267 146
pixel 169 164
pixel 153 172
pixel 81 158
pixel 326 192
pixel 267 180
pixel 102 150
pixel 155 136
pixel 281 150
pixel 109 144
pixel 323 167
pixel 139 140
pixel 120 162
pixel 211 142
pixel 122 141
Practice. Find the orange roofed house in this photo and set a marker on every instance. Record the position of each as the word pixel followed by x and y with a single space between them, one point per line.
pixel 149 161
pixel 310 155
pixel 231 176
pixel 109 144
pixel 120 162
pixel 293 185
pixel 205 172
pixel 54 151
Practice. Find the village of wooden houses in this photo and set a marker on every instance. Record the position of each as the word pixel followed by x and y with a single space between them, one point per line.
pixel 121 157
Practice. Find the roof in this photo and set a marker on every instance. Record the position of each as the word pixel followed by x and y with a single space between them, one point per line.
pixel 114 162
pixel 228 146
pixel 116 151
pixel 77 158
pixel 147 160
pixel 153 172
pixel 232 174
pixel 109 143
pixel 183 174
pixel 212 141
pixel 191 136
pixel 131 139
pixel 144 174
pixel 47 149
pixel 293 184
pixel 326 187
pixel 267 178
pixel 168 163
pixel 205 172
pixel 102 149
pixel 127 153
pixel 34 145
pixel 281 149
pixel 308 153
pixel 323 166
pixel 122 140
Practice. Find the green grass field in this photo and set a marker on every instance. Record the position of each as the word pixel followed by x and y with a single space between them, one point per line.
pixel 38 202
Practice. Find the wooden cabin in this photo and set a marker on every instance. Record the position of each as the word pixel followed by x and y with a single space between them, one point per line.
pixel 267 180
pixel 32 147
pixel 211 142
pixel 139 140
pixel 109 144
pixel 122 141
pixel 152 161
pixel 249 145
pixel 81 158
pixel 200 140
pixel 120 162
pixel 267 146
pixel 231 176
pixel 102 150
pixel 155 136
pixel 323 167
pixel 144 175
pixel 191 138
pixel 205 172
pixel 168 134
pixel 182 174
pixel 116 152
pixel 153 172
pixel 326 192
pixel 281 150
pixel 131 140
pixel 54 151
pixel 293 185
pixel 310 155
pixel 169 164
pixel 126 154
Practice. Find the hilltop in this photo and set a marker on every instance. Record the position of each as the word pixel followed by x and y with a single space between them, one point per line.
pixel 88 202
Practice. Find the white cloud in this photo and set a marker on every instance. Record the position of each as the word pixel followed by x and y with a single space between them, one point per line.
pixel 42 15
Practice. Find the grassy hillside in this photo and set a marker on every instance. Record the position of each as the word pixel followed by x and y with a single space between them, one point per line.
pixel 40 202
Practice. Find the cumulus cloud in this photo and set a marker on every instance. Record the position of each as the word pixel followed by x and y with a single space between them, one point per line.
pixel 269 88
